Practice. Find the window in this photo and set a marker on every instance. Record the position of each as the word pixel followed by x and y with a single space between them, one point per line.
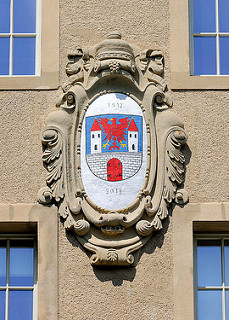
pixel 211 278
pixel 188 223
pixel 18 278
pixel 20 226
pixel 209 37
pixel 199 42
pixel 19 37
pixel 29 44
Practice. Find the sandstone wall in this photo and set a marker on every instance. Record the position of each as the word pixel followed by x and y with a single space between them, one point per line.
pixel 144 292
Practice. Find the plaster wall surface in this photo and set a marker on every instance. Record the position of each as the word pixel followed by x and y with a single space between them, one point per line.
pixel 144 292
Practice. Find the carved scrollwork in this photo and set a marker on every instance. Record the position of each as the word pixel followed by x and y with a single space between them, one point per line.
pixel 53 159
pixel 64 210
pixel 112 256
pixel 80 226
pixel 145 227
pixel 181 196
pixel 173 177
pixel 113 150
pixel 174 164
pixel 174 171
pixel 44 195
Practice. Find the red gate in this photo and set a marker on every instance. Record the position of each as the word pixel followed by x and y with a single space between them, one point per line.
pixel 114 170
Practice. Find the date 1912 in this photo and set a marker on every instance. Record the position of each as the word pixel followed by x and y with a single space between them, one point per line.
pixel 114 105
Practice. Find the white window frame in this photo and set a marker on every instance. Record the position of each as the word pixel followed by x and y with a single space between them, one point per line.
pixel 33 288
pixel 181 77
pixel 37 35
pixel 47 52
pixel 223 287
pixel 216 34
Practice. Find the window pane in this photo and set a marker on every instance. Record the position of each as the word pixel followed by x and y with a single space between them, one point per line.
pixel 20 305
pixel 2 304
pixel 204 16
pixel 21 263
pixel 24 56
pixel 226 253
pixel 4 16
pixel 2 263
pixel 224 50
pixel 209 262
pixel 209 305
pixel 227 304
pixel 223 15
pixel 4 55
pixel 204 55
pixel 24 15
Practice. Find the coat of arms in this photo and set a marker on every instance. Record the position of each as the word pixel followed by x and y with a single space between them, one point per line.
pixel 113 150
pixel 114 141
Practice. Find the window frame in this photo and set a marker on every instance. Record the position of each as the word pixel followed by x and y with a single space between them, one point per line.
pixel 187 221
pixel 7 287
pixel 26 218
pixel 36 34
pixel 217 34
pixel 47 66
pixel 181 77
pixel 222 237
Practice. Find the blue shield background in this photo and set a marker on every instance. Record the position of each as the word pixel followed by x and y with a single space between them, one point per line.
pixel 90 121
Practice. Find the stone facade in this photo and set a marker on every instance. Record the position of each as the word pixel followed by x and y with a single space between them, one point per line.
pixel 144 292
pixel 131 163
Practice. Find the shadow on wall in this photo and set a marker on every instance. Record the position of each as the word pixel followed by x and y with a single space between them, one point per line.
pixel 103 273
pixel 115 274
pixel 188 154
pixel 119 274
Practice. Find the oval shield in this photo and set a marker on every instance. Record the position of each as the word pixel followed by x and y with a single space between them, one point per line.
pixel 113 145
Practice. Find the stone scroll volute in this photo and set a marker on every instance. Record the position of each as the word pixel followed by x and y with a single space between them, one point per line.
pixel 113 150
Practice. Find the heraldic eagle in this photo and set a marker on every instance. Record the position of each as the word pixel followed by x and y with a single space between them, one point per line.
pixel 114 131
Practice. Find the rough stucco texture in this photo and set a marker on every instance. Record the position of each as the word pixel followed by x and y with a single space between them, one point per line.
pixel 144 292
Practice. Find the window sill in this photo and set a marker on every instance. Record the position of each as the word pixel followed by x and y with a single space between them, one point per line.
pixel 182 80
pixel 43 82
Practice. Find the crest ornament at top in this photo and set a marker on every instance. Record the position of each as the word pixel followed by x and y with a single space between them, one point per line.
pixel 113 150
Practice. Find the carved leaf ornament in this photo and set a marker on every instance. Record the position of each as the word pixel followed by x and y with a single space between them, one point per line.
pixel 113 150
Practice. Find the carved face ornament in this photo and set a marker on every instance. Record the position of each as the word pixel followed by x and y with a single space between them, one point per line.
pixel 113 150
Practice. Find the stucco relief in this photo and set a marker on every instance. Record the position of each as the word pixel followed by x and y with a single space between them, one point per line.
pixel 113 150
